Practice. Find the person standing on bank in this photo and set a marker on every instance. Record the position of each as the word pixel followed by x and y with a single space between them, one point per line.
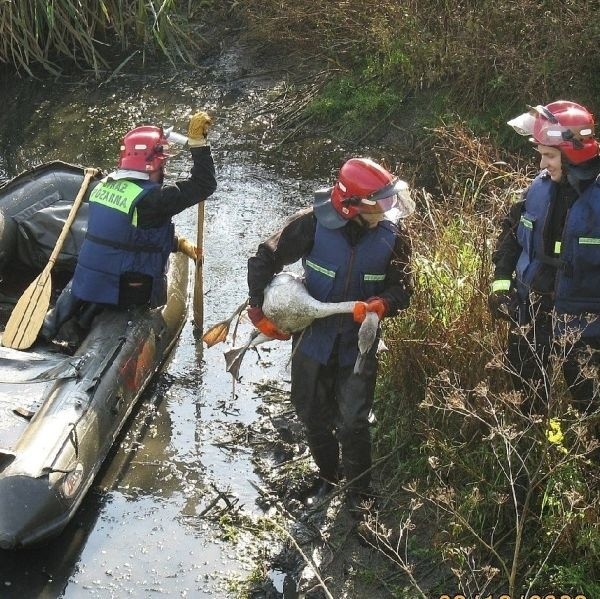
pixel 353 247
pixel 547 257
pixel 130 234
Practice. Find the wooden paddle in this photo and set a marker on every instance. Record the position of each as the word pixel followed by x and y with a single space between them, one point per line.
pixel 27 316
pixel 198 281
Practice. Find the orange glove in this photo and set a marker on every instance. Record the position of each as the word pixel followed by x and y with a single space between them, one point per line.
pixel 360 311
pixel 377 305
pixel 373 304
pixel 266 326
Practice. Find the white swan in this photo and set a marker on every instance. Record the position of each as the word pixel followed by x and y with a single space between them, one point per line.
pixel 289 305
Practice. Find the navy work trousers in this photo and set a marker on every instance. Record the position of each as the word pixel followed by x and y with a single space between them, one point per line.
pixel 334 404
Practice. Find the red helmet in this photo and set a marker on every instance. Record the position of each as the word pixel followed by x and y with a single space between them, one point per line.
pixel 362 186
pixel 565 125
pixel 143 149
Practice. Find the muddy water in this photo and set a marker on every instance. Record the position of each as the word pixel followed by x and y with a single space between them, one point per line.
pixel 138 532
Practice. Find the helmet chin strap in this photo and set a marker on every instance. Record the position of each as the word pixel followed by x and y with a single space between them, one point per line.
pixel 158 177
pixel 576 173
pixel 362 221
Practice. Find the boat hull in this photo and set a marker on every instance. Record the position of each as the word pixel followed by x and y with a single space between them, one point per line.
pixel 55 433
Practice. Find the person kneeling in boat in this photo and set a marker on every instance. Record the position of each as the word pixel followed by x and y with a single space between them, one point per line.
pixel 353 246
pixel 124 257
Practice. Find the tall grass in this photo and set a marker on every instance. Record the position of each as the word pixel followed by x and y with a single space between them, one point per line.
pixel 511 503
pixel 447 327
pixel 453 232
pixel 52 33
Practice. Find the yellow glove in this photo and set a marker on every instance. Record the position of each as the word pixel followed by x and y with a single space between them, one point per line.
pixel 188 248
pixel 198 128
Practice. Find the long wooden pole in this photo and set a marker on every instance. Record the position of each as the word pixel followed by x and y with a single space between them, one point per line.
pixel 198 281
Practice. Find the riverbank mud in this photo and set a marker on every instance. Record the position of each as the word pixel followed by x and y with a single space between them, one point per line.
pixel 321 551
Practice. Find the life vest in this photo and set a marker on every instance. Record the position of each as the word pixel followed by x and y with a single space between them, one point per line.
pixel 576 256
pixel 335 271
pixel 114 245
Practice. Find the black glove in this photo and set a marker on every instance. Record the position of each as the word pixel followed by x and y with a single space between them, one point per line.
pixel 502 304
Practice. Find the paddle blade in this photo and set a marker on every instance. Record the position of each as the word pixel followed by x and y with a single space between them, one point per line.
pixel 27 316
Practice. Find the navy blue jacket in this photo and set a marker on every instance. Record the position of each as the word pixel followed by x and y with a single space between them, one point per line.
pixel 576 256
pixel 336 271
pixel 115 245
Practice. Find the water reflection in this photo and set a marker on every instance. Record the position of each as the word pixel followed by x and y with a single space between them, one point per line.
pixel 138 532
pixel 43 572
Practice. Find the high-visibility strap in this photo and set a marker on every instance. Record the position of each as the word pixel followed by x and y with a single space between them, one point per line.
pixel 557 247
pixel 369 277
pixel 526 222
pixel 589 241
pixel 324 271
pixel 501 285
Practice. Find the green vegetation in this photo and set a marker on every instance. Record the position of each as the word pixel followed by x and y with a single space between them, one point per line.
pixel 481 59
pixel 55 33
pixel 500 501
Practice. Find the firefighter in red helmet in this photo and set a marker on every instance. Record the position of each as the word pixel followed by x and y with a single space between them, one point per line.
pixel 547 265
pixel 353 246
pixel 130 234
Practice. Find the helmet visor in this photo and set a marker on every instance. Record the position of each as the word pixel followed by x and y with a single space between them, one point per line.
pixel 543 128
pixel 523 124
pixel 392 200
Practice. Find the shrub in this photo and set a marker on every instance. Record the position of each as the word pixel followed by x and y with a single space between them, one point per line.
pixel 477 57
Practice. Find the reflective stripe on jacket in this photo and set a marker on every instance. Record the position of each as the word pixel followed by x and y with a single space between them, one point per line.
pixel 336 271
pixel 577 286
pixel 115 245
pixel 530 232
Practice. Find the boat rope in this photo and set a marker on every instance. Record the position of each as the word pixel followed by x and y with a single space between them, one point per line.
pixel 59 470
pixel 73 437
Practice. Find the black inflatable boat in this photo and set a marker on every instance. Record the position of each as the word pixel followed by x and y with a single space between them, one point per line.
pixel 61 412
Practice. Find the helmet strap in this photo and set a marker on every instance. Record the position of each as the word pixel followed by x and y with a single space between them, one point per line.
pixel 352 201
pixel 362 221
pixel 570 136
pixel 578 173
pixel 366 223
pixel 544 112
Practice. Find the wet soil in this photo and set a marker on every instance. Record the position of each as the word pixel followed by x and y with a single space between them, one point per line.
pixel 324 551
